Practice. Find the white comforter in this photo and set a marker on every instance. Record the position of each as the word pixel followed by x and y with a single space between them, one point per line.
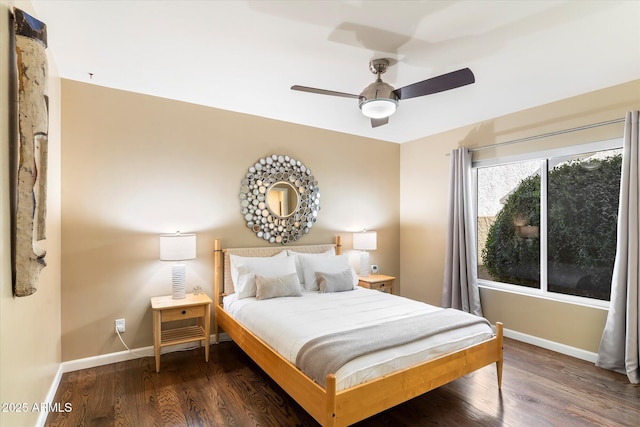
pixel 286 324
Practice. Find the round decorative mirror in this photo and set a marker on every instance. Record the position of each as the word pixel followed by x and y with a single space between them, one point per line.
pixel 279 199
pixel 282 199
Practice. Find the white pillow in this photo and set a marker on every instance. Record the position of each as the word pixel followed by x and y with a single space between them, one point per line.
pixel 325 264
pixel 298 255
pixel 266 267
pixel 236 260
pixel 274 287
pixel 246 285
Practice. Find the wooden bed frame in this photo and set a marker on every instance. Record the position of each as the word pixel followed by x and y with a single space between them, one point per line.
pixel 341 408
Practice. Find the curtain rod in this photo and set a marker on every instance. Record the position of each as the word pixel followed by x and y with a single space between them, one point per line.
pixel 545 135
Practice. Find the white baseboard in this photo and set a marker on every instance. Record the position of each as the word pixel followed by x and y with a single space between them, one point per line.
pixel 51 394
pixel 552 345
pixel 105 359
pixel 121 356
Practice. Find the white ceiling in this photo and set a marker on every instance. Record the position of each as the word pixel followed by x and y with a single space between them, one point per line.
pixel 245 55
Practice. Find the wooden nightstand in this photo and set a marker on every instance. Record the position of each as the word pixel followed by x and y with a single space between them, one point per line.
pixel 377 281
pixel 167 309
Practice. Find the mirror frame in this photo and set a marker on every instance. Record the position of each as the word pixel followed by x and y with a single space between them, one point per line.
pixel 254 207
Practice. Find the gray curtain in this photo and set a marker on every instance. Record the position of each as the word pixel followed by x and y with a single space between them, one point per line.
pixel 619 349
pixel 460 286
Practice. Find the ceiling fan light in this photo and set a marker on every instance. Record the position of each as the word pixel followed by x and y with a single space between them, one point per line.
pixel 379 108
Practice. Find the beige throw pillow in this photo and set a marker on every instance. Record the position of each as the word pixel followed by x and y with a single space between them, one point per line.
pixel 335 282
pixel 274 287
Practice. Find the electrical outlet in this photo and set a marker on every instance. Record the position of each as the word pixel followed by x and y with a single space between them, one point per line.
pixel 120 325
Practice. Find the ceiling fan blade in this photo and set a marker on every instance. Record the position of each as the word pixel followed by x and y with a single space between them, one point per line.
pixel 323 91
pixel 437 84
pixel 379 122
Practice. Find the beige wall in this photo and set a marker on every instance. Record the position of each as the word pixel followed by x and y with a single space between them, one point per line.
pixel 136 166
pixel 423 206
pixel 29 326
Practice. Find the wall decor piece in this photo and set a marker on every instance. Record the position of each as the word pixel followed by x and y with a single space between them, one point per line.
pixel 30 190
pixel 279 199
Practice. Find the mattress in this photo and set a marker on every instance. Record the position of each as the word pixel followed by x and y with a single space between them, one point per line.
pixel 286 324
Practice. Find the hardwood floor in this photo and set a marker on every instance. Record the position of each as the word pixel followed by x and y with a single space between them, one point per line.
pixel 540 388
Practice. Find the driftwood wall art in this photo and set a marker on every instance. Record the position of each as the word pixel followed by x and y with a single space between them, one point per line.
pixel 30 192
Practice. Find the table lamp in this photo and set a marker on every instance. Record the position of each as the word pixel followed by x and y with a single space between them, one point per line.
pixel 177 247
pixel 365 241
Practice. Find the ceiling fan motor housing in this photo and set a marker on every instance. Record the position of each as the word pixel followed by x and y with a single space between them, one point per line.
pixel 378 100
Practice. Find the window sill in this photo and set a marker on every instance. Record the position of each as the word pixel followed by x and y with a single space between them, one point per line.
pixel 537 293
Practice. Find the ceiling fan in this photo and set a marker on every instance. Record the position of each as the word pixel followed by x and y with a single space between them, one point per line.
pixel 379 100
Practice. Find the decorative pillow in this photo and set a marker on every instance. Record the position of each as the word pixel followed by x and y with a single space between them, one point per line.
pixel 335 282
pixel 299 255
pixel 236 260
pixel 266 267
pixel 324 264
pixel 274 287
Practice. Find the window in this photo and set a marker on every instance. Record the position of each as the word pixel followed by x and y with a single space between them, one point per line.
pixel 508 223
pixel 547 225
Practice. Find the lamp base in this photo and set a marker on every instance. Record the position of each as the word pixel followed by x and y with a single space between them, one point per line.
pixel 364 264
pixel 178 281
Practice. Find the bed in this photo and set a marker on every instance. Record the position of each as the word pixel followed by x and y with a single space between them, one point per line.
pixel 364 385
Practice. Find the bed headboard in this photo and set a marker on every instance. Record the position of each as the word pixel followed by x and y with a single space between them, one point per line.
pixel 223 282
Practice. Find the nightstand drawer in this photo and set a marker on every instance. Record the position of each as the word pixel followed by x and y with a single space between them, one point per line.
pixel 182 313
pixel 383 286
pixel 379 282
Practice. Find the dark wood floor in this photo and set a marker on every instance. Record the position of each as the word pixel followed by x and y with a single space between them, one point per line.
pixel 540 388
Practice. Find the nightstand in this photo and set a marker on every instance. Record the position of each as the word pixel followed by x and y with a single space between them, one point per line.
pixel 377 281
pixel 167 309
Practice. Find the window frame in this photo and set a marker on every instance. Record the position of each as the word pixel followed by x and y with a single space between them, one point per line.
pixel 543 157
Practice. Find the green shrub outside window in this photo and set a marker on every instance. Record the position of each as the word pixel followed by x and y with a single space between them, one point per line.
pixel 582 205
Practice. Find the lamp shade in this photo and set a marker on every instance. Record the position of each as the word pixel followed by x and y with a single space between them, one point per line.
pixel 365 241
pixel 177 247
